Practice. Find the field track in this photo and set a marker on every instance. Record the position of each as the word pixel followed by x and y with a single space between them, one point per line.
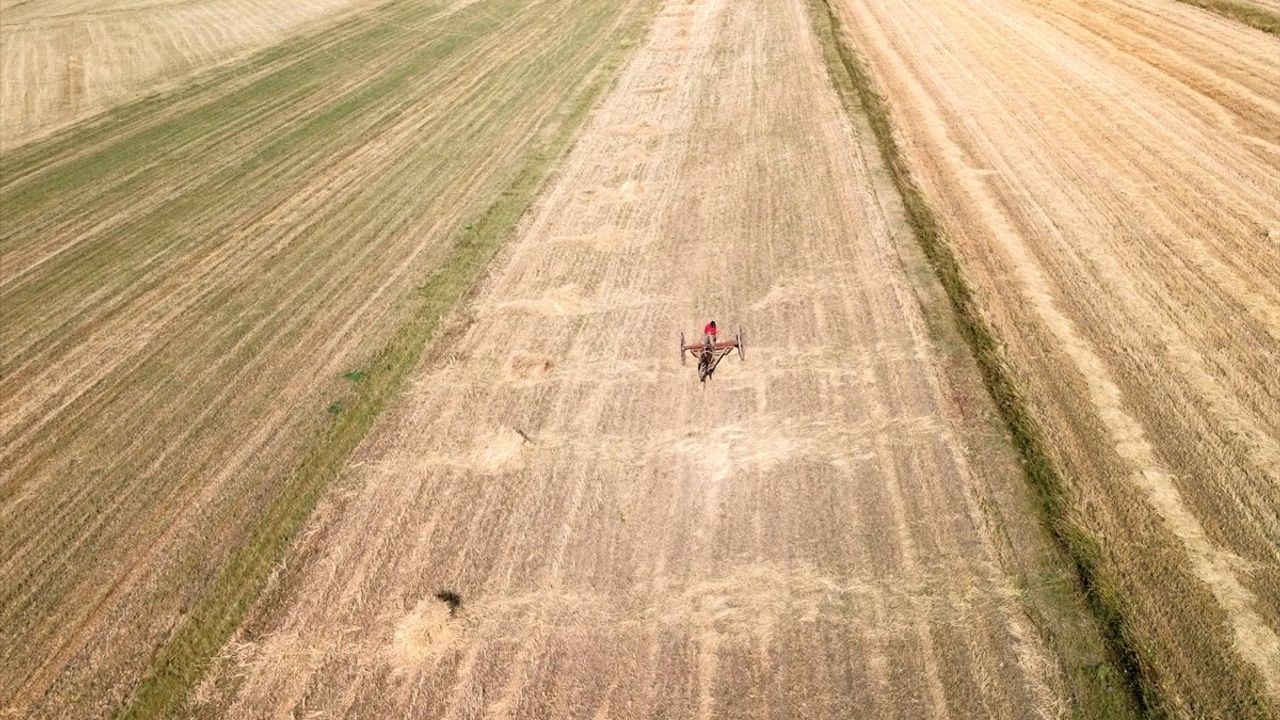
pixel 1109 173
pixel 186 280
pixel 804 536
pixel 64 60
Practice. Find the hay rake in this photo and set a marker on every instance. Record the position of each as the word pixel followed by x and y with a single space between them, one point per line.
pixel 709 353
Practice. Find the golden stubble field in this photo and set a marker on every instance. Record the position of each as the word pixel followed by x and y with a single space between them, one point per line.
pixel 233 233
pixel 1109 174
pixel 65 60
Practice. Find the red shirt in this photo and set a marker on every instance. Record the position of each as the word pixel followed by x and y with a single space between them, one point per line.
pixel 710 330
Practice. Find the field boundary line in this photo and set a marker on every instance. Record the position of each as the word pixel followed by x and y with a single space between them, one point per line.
pixel 177 666
pixel 856 87
pixel 1255 17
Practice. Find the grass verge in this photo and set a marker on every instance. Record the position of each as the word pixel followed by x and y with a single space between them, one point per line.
pixel 1096 694
pixel 215 617
pixel 1251 15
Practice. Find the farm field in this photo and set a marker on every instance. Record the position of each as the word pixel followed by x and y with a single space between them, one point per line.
pixel 65 60
pixel 1109 175
pixel 806 536
pixel 187 279
pixel 339 370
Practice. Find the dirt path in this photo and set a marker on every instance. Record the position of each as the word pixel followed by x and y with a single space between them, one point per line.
pixel 1110 173
pixel 800 537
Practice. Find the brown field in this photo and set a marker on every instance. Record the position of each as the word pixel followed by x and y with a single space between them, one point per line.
pixel 187 279
pixel 64 60
pixel 803 536
pixel 233 233
pixel 1109 174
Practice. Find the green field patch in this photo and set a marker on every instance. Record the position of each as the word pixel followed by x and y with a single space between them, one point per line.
pixel 1244 12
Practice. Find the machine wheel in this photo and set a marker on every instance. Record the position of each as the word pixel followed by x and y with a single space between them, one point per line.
pixel 682 362
pixel 741 354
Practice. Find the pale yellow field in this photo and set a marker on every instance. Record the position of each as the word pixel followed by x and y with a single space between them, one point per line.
pixel 66 60
pixel 1110 176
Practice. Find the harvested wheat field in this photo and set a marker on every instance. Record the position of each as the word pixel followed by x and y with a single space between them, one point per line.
pixel 557 521
pixel 1109 176
pixel 190 281
pixel 339 372
pixel 65 60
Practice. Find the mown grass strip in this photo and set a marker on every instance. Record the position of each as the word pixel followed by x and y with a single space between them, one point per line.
pixel 1251 15
pixel 222 607
pixel 1096 699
